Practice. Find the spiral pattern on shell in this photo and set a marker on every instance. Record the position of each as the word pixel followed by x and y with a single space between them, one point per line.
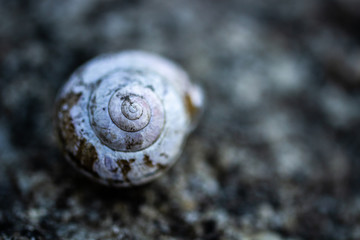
pixel 123 118
pixel 129 116
pixel 134 113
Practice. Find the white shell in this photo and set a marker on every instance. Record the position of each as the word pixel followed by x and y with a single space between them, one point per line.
pixel 123 118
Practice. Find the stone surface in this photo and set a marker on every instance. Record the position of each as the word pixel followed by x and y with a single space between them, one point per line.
pixel 276 152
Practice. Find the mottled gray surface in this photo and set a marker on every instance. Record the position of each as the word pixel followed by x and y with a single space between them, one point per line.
pixel 276 155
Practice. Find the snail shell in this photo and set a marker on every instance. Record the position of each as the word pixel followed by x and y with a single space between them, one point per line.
pixel 123 118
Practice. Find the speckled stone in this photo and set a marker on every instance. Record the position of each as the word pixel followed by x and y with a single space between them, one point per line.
pixel 276 152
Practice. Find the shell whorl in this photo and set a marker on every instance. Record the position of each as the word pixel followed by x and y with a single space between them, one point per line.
pixel 134 113
pixel 122 118
pixel 127 117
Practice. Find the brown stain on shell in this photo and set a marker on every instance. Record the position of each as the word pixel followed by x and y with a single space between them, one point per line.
pixel 125 168
pixel 191 109
pixel 161 166
pixel 134 142
pixel 65 126
pixel 86 154
pixel 147 161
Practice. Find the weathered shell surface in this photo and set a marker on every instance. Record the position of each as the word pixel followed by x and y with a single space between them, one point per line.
pixel 123 118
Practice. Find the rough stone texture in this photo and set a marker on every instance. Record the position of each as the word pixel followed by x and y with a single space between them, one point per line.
pixel 276 155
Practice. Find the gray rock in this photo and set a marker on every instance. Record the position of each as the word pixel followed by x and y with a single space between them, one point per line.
pixel 276 152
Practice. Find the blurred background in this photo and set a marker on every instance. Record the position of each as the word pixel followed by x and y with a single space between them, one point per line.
pixel 276 154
